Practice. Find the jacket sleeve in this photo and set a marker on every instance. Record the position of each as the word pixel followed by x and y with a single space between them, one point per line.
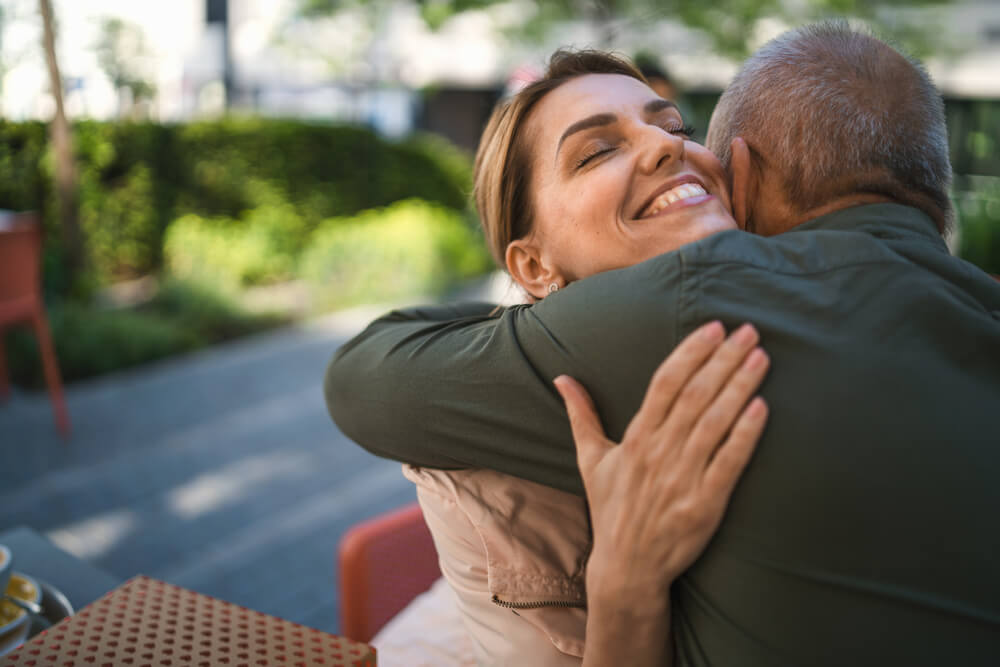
pixel 471 386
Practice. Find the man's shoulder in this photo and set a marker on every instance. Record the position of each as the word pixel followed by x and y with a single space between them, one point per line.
pixel 888 234
pixel 800 252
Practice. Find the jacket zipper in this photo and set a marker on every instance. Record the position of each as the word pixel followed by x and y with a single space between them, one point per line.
pixel 536 605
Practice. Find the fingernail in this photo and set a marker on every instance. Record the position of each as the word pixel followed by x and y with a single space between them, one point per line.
pixel 756 359
pixel 757 407
pixel 713 332
pixel 745 334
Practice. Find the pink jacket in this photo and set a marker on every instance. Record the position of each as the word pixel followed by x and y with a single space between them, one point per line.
pixel 514 553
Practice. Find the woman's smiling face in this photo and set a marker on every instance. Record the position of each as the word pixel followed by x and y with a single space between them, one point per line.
pixel 615 179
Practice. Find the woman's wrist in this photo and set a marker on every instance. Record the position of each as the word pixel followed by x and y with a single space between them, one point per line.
pixel 628 628
pixel 612 584
pixel 629 564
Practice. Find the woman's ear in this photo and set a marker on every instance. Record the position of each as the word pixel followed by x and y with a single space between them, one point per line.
pixel 740 168
pixel 530 269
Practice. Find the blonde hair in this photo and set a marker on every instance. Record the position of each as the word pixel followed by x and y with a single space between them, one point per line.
pixel 503 162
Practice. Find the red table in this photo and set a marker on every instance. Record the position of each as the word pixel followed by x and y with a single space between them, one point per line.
pixel 149 623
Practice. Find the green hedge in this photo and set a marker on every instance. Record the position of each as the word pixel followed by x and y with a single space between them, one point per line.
pixel 135 178
pixel 978 206
pixel 411 247
pixel 262 248
pixel 226 203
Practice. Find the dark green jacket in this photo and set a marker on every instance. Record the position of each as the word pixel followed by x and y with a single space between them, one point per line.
pixel 866 530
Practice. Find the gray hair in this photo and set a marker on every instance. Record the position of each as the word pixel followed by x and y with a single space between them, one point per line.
pixel 837 111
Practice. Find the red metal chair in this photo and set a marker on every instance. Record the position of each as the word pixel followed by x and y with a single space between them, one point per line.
pixel 21 301
pixel 384 563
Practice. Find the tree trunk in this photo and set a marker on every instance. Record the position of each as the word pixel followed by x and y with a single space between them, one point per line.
pixel 62 146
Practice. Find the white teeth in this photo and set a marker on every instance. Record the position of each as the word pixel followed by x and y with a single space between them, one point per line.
pixel 675 194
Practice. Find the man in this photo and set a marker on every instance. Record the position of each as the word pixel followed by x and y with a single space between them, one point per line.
pixel 863 530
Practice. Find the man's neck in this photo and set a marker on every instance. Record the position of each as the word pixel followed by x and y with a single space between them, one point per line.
pixel 790 218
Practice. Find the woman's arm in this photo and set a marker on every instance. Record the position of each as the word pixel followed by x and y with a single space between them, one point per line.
pixel 658 497
pixel 476 391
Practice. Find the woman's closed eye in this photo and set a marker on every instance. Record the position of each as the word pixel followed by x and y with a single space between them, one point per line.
pixel 685 130
pixel 597 150
pixel 593 152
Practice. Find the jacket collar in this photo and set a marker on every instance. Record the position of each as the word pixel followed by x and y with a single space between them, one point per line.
pixel 885 221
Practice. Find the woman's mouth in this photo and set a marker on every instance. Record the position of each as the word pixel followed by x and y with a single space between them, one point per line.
pixel 682 192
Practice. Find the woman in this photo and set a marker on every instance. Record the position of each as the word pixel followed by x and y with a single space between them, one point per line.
pixel 586 171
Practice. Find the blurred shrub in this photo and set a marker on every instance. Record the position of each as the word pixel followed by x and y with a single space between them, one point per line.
pixel 208 311
pixel 974 135
pixel 322 170
pixel 979 221
pixel 184 316
pixel 259 249
pixel 454 162
pixel 411 247
pixel 135 178
pixel 226 203
pixel 127 177
pixel 121 225
pixel 24 184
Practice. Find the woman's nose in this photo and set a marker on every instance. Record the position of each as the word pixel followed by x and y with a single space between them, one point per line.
pixel 659 148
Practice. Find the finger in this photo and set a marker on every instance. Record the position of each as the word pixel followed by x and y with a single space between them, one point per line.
pixel 702 389
pixel 711 429
pixel 671 376
pixel 588 433
pixel 732 457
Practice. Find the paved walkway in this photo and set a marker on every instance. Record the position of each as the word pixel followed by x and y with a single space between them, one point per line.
pixel 220 472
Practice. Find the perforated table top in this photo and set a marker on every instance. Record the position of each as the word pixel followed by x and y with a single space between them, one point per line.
pixel 149 623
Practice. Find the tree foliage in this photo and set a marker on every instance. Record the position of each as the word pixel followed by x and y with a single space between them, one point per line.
pixel 121 50
pixel 730 26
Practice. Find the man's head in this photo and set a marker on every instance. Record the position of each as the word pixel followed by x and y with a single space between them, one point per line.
pixel 831 117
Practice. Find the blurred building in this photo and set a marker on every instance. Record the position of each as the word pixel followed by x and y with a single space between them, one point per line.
pixel 386 69
pixel 203 56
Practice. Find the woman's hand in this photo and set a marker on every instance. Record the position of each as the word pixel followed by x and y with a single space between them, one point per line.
pixel 657 498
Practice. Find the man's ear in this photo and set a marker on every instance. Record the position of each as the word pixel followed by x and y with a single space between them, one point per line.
pixel 741 169
pixel 530 269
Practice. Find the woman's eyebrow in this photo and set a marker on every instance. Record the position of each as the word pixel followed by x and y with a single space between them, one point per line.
pixel 590 121
pixel 658 105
